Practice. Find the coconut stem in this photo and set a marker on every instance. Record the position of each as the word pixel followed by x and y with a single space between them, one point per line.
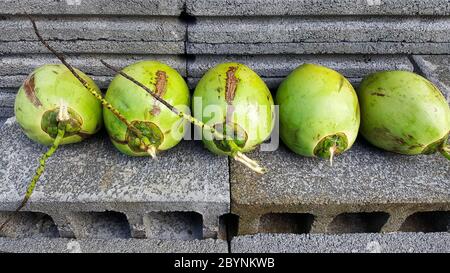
pixel 39 171
pixel 445 151
pixel 249 163
pixel 84 82
pixel 152 151
pixel 332 152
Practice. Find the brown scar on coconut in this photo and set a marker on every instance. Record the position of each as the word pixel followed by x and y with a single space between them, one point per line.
pixel 160 86
pixel 30 91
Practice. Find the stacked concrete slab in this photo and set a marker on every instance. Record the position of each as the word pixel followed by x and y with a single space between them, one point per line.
pixel 119 32
pixel 273 37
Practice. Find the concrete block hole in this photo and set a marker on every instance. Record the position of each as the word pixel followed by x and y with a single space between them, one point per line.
pixel 228 226
pixel 362 222
pixel 101 225
pixel 429 221
pixel 173 225
pixel 28 224
pixel 286 223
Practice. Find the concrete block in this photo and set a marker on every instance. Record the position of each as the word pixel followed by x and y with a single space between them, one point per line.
pixel 160 35
pixel 320 7
pixel 274 30
pixel 92 176
pixel 95 7
pixel 12 65
pixel 14 82
pixel 7 99
pixel 351 66
pixel 303 35
pixel 173 225
pixel 345 243
pixel 273 68
pixel 320 48
pixel 28 224
pixel 370 184
pixel 98 46
pixel 140 29
pixel 437 70
pixel 272 83
pixel 103 225
pixel 6 112
pixel 60 245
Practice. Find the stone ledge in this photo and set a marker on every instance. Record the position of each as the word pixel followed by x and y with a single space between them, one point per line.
pixel 60 245
pixel 320 7
pixel 92 176
pixel 346 243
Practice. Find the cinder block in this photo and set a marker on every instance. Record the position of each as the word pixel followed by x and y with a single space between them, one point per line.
pixel 98 46
pixel 173 225
pixel 79 28
pixel 301 30
pixel 95 7
pixel 60 245
pixel 28 225
pixel 320 48
pixel 92 176
pixel 345 243
pixel 273 68
pixel 14 82
pixel 12 65
pixel 160 35
pixel 437 70
pixel 351 66
pixel 7 99
pixel 365 182
pixel 320 7
pixel 6 112
pixel 272 83
pixel 296 35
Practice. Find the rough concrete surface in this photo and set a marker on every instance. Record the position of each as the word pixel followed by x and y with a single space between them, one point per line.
pixel 7 99
pixel 437 70
pixel 93 176
pixel 272 30
pixel 397 47
pixel 97 7
pixel 272 83
pixel 14 82
pixel 6 112
pixel 96 47
pixel 12 65
pixel 82 28
pixel 351 66
pixel 363 179
pixel 318 7
pixel 59 245
pixel 345 243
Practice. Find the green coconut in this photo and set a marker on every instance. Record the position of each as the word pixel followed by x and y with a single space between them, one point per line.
pixel 161 128
pixel 54 108
pixel 405 113
pixel 319 112
pixel 235 101
pixel 39 101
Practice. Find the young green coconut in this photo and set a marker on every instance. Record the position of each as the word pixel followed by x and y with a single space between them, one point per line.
pixel 161 129
pixel 53 109
pixel 66 123
pixel 405 113
pixel 319 112
pixel 244 110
